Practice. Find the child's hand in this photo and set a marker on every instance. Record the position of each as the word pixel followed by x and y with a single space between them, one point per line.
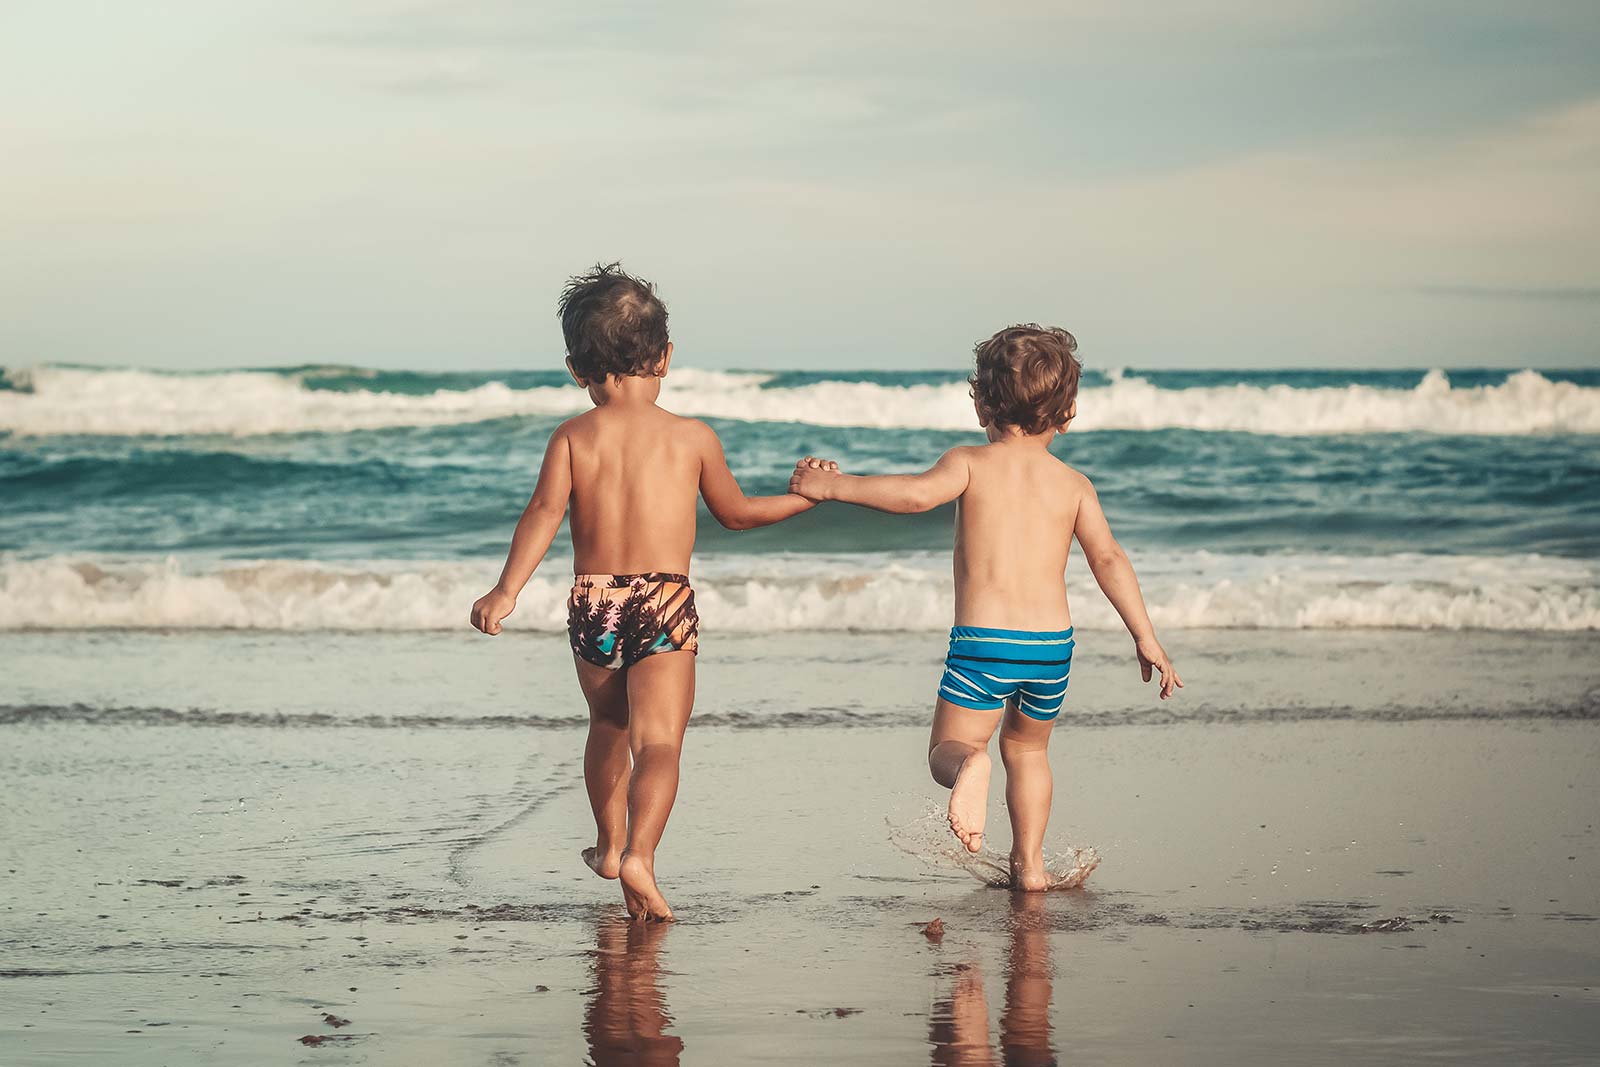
pixel 811 477
pixel 490 608
pixel 1153 656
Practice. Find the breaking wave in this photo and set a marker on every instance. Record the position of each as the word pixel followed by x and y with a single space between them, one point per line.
pixel 904 592
pixel 48 400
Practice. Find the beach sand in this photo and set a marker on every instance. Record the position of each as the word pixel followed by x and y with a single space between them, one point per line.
pixel 262 848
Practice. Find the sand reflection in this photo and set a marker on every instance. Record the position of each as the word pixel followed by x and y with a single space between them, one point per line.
pixel 959 1026
pixel 625 1019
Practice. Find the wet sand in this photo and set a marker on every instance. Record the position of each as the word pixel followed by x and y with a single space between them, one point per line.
pixel 263 849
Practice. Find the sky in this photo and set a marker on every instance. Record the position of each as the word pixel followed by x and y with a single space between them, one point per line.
pixel 1196 183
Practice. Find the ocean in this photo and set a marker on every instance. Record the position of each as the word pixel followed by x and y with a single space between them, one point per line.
pixel 319 498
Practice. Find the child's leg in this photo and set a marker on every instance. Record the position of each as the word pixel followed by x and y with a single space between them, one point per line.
pixel 605 764
pixel 1023 749
pixel 660 698
pixel 958 757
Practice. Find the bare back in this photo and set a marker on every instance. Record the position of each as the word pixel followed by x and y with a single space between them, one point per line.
pixel 1014 525
pixel 635 482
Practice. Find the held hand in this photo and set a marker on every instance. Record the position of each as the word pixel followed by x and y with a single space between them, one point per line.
pixel 490 608
pixel 811 477
pixel 1153 656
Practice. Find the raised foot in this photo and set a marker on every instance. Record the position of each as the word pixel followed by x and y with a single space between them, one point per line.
pixel 603 862
pixel 1029 874
pixel 644 901
pixel 969 800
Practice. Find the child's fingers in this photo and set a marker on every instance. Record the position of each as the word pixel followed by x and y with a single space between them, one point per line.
pixel 1144 671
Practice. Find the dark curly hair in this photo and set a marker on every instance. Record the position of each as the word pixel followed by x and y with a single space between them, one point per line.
pixel 614 324
pixel 1027 377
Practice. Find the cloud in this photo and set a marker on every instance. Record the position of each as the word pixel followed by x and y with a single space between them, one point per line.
pixel 382 177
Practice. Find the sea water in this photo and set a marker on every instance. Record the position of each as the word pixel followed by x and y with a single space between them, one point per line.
pixel 343 498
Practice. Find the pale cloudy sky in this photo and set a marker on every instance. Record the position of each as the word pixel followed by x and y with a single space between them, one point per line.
pixel 1191 183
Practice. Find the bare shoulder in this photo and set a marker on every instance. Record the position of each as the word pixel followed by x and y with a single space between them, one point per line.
pixel 692 431
pixel 962 454
pixel 1075 480
pixel 575 426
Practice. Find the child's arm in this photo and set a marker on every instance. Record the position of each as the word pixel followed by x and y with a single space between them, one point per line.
pixel 1111 569
pixel 535 530
pixel 900 493
pixel 727 501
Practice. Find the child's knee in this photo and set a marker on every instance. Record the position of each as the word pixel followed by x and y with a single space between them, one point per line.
pixel 1018 746
pixel 656 748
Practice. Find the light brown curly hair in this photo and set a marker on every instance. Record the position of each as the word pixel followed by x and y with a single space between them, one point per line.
pixel 1027 377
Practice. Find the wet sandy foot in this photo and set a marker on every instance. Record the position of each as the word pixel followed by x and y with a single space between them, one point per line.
pixel 969 801
pixel 639 892
pixel 1029 874
pixel 605 864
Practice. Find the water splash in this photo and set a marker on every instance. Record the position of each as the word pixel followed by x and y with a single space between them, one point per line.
pixel 927 837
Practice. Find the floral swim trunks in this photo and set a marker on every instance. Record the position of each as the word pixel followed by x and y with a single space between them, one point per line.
pixel 616 620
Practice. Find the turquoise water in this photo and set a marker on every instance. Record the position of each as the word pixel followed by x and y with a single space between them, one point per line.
pixel 1223 480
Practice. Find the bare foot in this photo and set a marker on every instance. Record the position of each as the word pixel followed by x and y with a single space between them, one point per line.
pixel 969 800
pixel 644 901
pixel 605 863
pixel 1027 872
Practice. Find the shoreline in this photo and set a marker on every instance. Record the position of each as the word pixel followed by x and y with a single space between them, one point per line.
pixel 1292 887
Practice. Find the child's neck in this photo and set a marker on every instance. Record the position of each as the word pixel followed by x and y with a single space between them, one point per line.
pixel 1009 435
pixel 623 392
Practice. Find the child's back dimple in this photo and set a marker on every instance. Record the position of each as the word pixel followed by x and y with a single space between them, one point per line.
pixel 635 480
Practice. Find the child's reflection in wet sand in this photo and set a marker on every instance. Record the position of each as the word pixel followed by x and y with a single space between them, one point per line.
pixel 625 1019
pixel 959 1025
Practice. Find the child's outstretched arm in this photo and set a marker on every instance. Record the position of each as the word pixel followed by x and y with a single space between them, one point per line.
pixel 1114 572
pixel 535 530
pixel 900 493
pixel 727 501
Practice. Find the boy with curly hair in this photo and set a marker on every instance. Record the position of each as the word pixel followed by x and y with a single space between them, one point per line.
pixel 1018 509
pixel 631 472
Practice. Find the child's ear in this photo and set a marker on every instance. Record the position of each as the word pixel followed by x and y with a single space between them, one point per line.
pixel 983 419
pixel 575 376
pixel 1072 413
pixel 665 362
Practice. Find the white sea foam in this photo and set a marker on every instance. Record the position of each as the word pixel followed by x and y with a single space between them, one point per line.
pixel 777 593
pixel 62 400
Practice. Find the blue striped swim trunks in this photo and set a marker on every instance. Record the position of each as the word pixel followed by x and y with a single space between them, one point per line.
pixel 986 668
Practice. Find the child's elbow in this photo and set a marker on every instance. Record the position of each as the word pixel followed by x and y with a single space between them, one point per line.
pixel 1107 557
pixel 736 522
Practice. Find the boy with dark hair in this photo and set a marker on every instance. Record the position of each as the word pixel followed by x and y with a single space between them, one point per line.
pixel 1018 509
pixel 631 472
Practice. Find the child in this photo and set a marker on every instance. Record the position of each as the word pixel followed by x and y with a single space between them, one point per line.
pixel 1017 510
pixel 631 472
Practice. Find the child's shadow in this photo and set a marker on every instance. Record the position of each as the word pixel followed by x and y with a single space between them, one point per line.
pixel 959 1024
pixel 625 1019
